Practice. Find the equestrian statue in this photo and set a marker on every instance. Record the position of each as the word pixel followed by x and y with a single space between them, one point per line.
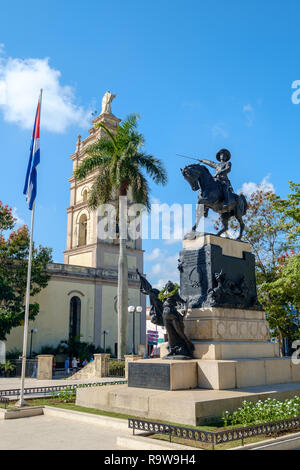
pixel 216 192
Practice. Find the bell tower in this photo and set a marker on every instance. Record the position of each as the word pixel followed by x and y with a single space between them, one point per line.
pixel 84 245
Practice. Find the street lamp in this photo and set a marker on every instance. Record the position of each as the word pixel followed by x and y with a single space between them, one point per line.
pixel 34 330
pixel 105 332
pixel 132 309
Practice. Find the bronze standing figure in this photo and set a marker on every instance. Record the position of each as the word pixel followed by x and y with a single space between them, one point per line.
pixel 164 312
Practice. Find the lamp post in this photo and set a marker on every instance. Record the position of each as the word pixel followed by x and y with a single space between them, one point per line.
pixel 132 309
pixel 34 330
pixel 105 332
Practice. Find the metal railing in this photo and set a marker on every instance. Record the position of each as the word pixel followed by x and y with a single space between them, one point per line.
pixel 55 388
pixel 30 370
pixel 116 368
pixel 4 400
pixel 272 428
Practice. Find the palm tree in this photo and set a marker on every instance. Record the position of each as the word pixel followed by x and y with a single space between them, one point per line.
pixel 120 164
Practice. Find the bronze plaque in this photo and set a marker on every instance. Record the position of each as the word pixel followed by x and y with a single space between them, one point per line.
pixel 156 376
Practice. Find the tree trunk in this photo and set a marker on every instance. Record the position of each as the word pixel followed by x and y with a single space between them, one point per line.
pixel 122 279
pixel 281 343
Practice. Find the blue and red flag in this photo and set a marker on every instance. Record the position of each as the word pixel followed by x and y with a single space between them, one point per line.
pixel 30 187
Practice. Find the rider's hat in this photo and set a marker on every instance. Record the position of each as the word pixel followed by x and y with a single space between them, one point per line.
pixel 225 152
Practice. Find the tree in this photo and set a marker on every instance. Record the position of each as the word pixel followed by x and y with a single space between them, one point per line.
pixel 120 164
pixel 272 230
pixel 14 250
pixel 290 211
pixel 282 297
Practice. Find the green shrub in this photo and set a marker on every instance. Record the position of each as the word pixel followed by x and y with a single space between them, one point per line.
pixel 14 353
pixel 116 368
pixel 7 367
pixel 66 396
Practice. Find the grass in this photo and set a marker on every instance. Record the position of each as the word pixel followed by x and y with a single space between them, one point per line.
pixel 53 401
pixel 69 406
pixel 206 446
pixel 59 403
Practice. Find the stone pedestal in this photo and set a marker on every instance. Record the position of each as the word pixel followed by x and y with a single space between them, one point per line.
pixel 44 367
pixel 225 322
pixel 130 358
pixel 162 374
pixel 218 272
pixel 101 362
pixel 224 333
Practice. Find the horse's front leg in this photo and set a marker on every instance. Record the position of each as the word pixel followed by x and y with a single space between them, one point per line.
pixel 199 213
pixel 242 226
pixel 224 219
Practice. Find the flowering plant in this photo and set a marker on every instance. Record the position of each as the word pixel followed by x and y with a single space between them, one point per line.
pixel 263 411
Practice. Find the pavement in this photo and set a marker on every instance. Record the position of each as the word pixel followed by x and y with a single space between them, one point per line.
pixel 7 383
pixel 56 433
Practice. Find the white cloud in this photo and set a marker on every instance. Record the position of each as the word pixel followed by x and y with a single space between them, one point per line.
pixel 164 270
pixel 249 113
pixel 218 130
pixel 153 255
pixel 19 220
pixel 247 108
pixel 20 84
pixel 2 48
pixel 249 188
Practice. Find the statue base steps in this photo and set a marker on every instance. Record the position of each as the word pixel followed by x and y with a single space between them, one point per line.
pixel 221 350
pixel 159 374
pixel 186 407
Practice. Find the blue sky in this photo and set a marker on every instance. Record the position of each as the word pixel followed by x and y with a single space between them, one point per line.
pixel 202 75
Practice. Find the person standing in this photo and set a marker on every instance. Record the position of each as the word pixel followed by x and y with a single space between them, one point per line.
pixel 67 366
pixel 74 364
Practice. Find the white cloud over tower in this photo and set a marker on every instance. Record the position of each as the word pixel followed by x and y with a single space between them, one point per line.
pixel 20 84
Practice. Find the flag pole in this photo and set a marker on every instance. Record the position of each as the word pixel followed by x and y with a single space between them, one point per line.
pixel 34 150
pixel 21 401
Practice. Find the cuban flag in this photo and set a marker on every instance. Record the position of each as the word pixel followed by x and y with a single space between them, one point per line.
pixel 30 187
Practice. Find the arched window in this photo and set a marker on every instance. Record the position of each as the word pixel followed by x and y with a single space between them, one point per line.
pixel 75 313
pixel 85 195
pixel 82 237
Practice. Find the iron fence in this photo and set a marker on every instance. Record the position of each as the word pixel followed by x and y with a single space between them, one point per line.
pixel 55 388
pixel 30 369
pixel 4 400
pixel 272 428
pixel 116 368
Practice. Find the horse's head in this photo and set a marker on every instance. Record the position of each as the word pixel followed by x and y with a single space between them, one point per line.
pixel 191 175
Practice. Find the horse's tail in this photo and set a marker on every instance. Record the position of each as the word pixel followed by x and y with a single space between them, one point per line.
pixel 243 204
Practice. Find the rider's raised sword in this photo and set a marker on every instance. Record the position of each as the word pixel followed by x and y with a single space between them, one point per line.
pixel 185 156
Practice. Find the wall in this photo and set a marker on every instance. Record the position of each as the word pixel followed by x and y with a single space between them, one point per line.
pixel 53 320
pixel 110 318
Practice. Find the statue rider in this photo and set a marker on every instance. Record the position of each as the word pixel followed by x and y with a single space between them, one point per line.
pixel 222 170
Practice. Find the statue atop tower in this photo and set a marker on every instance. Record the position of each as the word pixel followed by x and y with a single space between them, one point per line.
pixel 106 102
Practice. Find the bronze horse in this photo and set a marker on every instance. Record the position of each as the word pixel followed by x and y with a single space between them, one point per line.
pixel 211 196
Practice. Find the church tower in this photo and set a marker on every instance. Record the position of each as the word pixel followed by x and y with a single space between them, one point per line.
pixel 84 244
pixel 81 296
